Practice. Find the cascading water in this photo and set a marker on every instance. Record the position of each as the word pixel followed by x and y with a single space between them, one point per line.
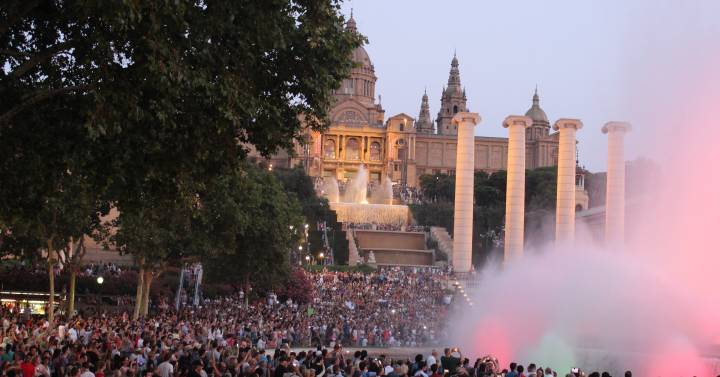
pixel 383 193
pixel 356 190
pixel 330 186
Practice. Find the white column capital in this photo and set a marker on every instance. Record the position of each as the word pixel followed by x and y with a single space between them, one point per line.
pixel 464 118
pixel 517 120
pixel 564 123
pixel 616 127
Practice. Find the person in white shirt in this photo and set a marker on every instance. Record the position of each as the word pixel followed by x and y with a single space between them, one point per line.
pixel 41 368
pixel 73 334
pixel 86 371
pixel 165 369
pixel 432 359
pixel 422 372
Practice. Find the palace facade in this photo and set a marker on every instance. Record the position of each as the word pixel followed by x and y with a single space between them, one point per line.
pixel 402 147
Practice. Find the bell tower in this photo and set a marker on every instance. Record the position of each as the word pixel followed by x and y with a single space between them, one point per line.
pixel 453 101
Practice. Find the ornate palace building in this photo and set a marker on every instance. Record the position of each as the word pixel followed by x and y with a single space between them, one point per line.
pixel 402 147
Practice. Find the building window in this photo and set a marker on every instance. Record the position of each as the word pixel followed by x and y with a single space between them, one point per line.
pixel 375 151
pixel 455 109
pixel 451 172
pixel 330 148
pixel 402 127
pixel 353 149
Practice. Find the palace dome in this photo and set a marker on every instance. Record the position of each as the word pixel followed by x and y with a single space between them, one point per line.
pixel 536 113
pixel 361 56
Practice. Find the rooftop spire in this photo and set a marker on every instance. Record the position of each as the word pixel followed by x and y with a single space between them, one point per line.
pixel 351 25
pixel 424 124
pixel 454 79
pixel 538 116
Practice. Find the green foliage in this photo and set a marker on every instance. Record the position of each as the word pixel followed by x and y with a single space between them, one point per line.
pixel 172 65
pixel 250 213
pixel 339 245
pixel 438 187
pixel 51 187
pixel 541 188
pixel 434 214
pixel 162 97
pixel 299 185
pixel 489 206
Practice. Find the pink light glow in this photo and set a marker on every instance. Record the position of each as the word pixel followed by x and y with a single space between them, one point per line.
pixel 653 307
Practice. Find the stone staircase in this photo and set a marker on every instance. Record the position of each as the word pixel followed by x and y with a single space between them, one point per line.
pixel 353 254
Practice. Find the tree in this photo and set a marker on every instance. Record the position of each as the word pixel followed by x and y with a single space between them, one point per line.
pixel 196 76
pixel 299 185
pixel 438 187
pixel 251 215
pixel 489 205
pixel 171 92
pixel 50 199
pixel 541 188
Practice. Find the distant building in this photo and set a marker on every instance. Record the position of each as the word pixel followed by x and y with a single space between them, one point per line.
pixel 404 148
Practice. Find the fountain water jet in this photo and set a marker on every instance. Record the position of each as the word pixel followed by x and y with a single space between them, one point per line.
pixel 383 193
pixel 356 191
pixel 330 186
pixel 355 208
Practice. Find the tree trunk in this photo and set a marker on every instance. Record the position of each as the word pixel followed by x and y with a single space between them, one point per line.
pixel 71 294
pixel 139 294
pixel 146 292
pixel 75 256
pixel 51 288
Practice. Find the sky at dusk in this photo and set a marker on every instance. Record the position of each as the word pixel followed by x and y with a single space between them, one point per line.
pixel 593 60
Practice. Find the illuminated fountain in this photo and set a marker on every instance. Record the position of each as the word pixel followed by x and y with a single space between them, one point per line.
pixel 383 193
pixel 356 190
pixel 355 208
pixel 331 190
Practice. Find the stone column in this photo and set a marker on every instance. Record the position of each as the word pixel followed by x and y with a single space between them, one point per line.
pixel 515 197
pixel 464 190
pixel 565 212
pixel 615 195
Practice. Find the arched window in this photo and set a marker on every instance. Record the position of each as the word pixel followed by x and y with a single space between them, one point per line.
pixel 353 149
pixel 329 148
pixel 375 151
pixel 402 127
pixel 455 109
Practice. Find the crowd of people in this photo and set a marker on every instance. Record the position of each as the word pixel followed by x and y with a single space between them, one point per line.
pixel 407 194
pixel 203 343
pixel 102 269
pixel 231 337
